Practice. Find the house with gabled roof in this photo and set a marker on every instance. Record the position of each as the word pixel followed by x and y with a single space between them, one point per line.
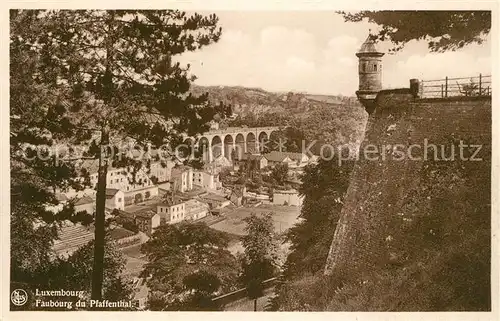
pixel 147 221
pixel 115 199
pixel 172 210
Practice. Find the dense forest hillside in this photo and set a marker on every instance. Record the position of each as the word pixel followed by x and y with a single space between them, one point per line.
pixel 255 100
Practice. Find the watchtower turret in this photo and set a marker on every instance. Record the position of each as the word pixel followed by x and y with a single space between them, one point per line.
pixel 370 72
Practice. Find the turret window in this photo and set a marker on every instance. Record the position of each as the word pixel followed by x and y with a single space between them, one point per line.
pixel 375 67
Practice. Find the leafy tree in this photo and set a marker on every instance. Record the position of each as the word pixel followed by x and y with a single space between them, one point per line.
pixel 202 285
pixel 280 173
pixel 180 256
pixel 36 130
pixel 75 273
pixel 336 126
pixel 122 81
pixel 288 139
pixel 443 30
pixel 80 276
pixel 323 187
pixel 131 226
pixel 266 119
pixel 83 217
pixel 260 258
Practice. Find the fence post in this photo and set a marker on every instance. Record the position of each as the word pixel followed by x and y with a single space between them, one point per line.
pixel 480 91
pixel 446 87
pixel 414 87
pixel 442 90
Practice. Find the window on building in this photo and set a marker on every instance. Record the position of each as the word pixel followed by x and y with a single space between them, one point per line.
pixel 119 200
pixel 363 67
pixel 375 67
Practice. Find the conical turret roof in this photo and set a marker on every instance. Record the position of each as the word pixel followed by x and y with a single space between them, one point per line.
pixel 368 47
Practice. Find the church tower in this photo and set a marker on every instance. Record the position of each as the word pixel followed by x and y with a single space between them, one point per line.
pixel 370 73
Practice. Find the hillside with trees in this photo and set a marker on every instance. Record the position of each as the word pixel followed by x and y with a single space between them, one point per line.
pixel 335 120
pixel 258 101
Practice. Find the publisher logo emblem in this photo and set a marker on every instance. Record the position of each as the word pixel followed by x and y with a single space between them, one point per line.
pixel 19 297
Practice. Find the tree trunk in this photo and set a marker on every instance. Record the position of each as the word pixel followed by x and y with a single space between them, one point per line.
pixel 98 267
pixel 99 241
pixel 255 305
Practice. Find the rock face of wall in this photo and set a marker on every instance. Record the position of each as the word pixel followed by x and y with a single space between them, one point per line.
pixel 381 179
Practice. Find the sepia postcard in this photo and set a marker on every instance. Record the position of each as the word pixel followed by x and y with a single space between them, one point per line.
pixel 236 159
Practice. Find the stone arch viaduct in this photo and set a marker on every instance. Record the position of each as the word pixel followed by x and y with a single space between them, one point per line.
pixel 238 139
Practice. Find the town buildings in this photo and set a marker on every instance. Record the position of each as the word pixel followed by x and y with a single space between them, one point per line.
pixel 206 180
pixel 147 221
pixel 115 199
pixel 172 210
pixel 259 160
pixel 182 179
pixel 289 158
pixel 141 200
pixel 195 210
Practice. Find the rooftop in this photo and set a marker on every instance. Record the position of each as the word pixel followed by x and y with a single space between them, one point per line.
pixel 213 197
pixel 71 236
pixel 280 156
pixel 149 204
pixel 249 156
pixel 110 192
pixel 84 200
pixel 145 214
pixel 171 201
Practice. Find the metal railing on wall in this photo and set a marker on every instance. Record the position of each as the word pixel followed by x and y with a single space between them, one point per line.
pixel 456 87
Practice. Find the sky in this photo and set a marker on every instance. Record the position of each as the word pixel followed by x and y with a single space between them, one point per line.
pixel 314 52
